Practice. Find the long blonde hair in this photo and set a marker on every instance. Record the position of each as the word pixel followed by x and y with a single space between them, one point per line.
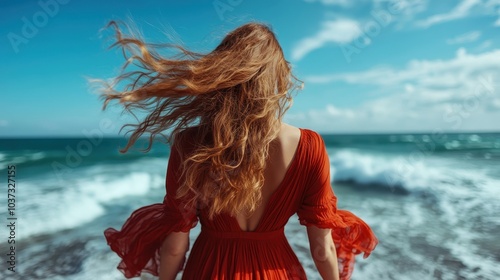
pixel 233 99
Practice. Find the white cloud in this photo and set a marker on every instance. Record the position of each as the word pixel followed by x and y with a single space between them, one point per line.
pixel 460 11
pixel 465 38
pixel 340 31
pixel 334 111
pixel 401 11
pixel 419 70
pixel 462 93
pixel 408 8
pixel 485 45
pixel 464 9
pixel 332 2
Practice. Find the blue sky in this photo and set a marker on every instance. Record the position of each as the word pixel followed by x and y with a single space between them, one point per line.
pixel 369 66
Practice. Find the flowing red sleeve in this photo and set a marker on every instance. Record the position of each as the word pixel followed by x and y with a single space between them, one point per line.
pixel 350 233
pixel 139 240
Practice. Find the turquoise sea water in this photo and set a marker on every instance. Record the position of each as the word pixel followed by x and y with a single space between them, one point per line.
pixel 432 200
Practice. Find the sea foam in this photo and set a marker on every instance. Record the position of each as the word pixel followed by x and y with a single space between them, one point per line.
pixel 53 209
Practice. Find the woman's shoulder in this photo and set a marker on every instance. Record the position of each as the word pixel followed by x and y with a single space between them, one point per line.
pixel 312 141
pixel 294 130
pixel 290 133
pixel 311 136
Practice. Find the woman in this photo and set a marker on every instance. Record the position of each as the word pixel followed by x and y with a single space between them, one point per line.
pixel 234 166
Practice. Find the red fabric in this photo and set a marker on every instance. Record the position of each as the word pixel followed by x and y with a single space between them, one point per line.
pixel 223 250
pixel 351 235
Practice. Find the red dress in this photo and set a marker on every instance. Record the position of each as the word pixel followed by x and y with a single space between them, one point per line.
pixel 223 250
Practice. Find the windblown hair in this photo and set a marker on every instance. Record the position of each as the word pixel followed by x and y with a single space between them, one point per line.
pixel 228 104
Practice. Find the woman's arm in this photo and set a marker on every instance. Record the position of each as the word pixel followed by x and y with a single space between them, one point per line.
pixel 173 251
pixel 323 252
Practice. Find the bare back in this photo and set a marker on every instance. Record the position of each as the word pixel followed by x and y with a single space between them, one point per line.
pixel 280 157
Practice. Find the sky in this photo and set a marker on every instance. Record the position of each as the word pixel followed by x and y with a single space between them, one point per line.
pixel 368 66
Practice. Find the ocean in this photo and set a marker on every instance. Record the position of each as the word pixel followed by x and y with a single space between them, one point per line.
pixel 431 199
